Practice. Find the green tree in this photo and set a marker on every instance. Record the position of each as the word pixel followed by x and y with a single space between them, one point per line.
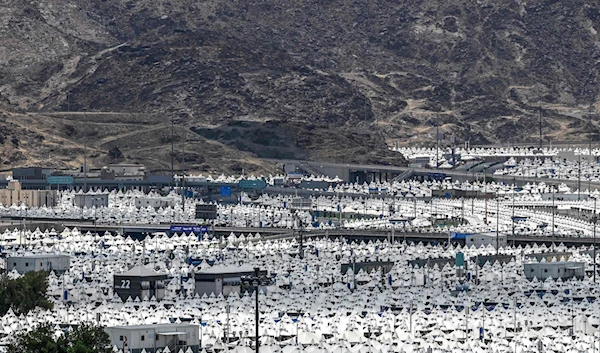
pixel 24 293
pixel 88 339
pixel 40 340
pixel 83 339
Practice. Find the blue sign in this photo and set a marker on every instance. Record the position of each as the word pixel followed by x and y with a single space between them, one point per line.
pixel 225 191
pixel 204 229
pixel 437 176
pixel 185 229
pixel 60 180
pixel 455 235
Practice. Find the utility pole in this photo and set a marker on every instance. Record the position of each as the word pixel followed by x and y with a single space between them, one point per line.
pixel 513 213
pixel 256 314
pixel 515 321
pixel 172 150
pixel 353 271
pixel 497 226
pixel 466 321
pixel 340 213
pixel 552 218
pixel 411 314
pixel 579 177
pixel 84 167
pixel 485 194
pixel 540 113
pixel 437 145
pixel 227 328
pixel 591 160
pixel 22 228
pixel 183 172
pixel 300 235
pixel 594 252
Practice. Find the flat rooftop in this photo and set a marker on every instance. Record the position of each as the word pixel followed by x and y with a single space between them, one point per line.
pixel 220 269
pixel 153 327
pixel 37 256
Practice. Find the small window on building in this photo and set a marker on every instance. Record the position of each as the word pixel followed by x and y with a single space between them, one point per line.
pixel 472 239
pixel 27 264
pixel 545 270
pixel 142 338
pixel 531 270
pixel 14 264
pixel 120 338
pixel 156 336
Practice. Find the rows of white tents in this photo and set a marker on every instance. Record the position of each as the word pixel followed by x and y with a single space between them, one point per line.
pixel 312 305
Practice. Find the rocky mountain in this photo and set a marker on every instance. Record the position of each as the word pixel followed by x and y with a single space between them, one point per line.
pixel 327 80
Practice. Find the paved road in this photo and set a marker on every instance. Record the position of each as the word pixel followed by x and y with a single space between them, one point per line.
pixel 281 233
pixel 440 237
pixel 143 228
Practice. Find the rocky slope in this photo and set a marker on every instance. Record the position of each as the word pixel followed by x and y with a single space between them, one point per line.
pixel 337 80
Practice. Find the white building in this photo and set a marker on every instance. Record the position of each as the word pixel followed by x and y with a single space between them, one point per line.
pixel 486 239
pixel 38 262
pixel 90 200
pixel 154 202
pixel 127 169
pixel 134 339
pixel 222 279
pixel 555 269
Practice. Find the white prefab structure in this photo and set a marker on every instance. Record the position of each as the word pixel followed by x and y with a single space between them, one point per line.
pixel 555 269
pixel 223 279
pixel 486 239
pixel 38 262
pixel 154 202
pixel 127 169
pixel 90 200
pixel 134 339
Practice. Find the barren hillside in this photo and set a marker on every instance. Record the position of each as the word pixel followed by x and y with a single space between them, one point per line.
pixel 334 80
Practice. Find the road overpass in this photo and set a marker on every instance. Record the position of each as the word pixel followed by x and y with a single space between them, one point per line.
pixel 368 172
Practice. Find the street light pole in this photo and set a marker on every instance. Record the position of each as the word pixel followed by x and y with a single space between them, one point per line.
pixel 256 315
pixel 497 226
pixel 594 252
pixel 552 218
pixel 256 281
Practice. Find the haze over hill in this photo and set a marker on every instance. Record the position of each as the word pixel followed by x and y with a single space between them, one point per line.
pixel 330 80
